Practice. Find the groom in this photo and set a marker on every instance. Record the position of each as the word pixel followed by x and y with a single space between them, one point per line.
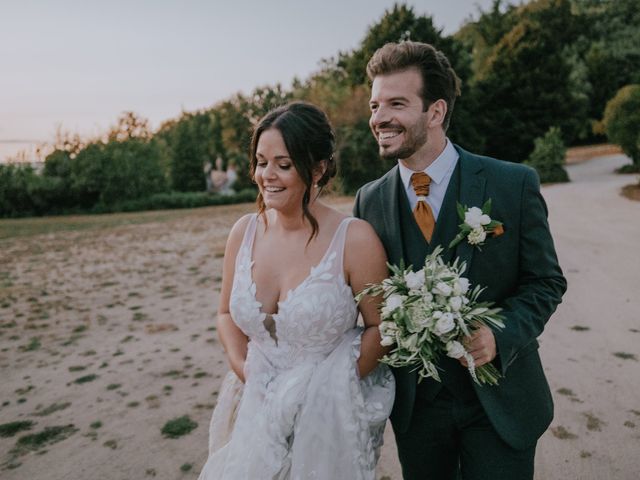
pixel 457 429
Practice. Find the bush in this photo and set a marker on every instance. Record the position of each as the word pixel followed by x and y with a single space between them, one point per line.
pixel 116 171
pixel 548 157
pixel 172 200
pixel 622 122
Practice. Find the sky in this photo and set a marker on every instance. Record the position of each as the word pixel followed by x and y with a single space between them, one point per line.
pixel 76 65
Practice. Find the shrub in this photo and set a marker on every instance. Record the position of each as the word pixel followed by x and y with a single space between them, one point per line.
pixel 622 122
pixel 164 201
pixel 548 157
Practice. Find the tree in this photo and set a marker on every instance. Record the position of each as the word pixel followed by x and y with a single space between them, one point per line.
pixel 529 86
pixel 357 157
pixel 129 125
pixel 187 174
pixel 622 123
pixel 611 49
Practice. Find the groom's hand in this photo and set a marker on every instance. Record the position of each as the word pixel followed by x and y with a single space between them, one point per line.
pixel 481 345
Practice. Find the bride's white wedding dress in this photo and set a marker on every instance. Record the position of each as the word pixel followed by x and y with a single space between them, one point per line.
pixel 303 413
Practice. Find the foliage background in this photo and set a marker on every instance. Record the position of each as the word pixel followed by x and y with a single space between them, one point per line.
pixel 524 69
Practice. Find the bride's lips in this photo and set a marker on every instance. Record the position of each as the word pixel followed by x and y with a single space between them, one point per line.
pixel 272 189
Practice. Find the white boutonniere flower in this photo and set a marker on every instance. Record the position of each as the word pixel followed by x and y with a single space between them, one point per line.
pixel 476 225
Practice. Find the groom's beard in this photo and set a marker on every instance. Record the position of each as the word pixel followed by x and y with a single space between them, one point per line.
pixel 415 138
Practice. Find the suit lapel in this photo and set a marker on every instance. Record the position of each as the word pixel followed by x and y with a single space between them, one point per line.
pixel 390 208
pixel 472 186
pixel 447 223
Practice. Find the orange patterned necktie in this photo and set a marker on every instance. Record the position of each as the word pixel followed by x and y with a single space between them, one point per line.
pixel 422 213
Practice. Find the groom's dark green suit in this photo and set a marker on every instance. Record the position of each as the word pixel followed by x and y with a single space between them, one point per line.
pixel 519 270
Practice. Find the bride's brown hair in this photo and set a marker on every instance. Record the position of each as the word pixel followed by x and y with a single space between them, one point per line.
pixel 310 141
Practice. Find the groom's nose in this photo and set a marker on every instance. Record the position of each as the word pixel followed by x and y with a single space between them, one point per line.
pixel 381 115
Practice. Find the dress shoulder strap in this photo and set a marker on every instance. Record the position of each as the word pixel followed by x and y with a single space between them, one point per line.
pixel 336 248
pixel 249 235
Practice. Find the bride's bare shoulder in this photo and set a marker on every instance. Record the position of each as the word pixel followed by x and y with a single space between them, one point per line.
pixel 362 242
pixel 237 231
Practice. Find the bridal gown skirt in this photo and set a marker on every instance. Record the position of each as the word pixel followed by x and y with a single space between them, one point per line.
pixel 313 420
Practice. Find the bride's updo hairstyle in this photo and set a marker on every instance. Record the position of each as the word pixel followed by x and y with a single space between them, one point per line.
pixel 310 141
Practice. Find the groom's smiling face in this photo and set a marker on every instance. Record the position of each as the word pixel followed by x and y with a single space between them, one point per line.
pixel 398 121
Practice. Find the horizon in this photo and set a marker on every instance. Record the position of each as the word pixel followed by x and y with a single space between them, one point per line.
pixel 162 59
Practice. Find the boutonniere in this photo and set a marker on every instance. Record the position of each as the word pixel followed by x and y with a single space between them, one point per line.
pixel 476 225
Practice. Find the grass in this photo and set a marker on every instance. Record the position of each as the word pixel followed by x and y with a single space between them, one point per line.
pixel 48 436
pixel 626 356
pixel 580 328
pixel 112 444
pixel 26 227
pixel 562 433
pixel 86 378
pixel 11 428
pixel 185 467
pixel 34 344
pixel 178 427
pixel 54 407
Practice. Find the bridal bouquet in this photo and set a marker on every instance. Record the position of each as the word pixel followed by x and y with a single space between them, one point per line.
pixel 427 313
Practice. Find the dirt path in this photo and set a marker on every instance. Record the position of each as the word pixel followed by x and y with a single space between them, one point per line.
pixel 107 333
pixel 591 346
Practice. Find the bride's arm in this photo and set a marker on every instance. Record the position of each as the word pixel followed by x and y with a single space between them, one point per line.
pixel 232 339
pixel 366 262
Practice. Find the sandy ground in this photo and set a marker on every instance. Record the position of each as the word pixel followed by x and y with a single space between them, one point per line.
pixel 108 330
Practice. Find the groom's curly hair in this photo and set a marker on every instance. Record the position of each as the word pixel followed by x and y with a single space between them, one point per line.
pixel 439 80
pixel 310 141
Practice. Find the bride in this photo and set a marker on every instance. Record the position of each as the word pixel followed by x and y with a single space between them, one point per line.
pixel 306 397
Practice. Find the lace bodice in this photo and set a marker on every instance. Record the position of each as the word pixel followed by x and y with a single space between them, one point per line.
pixel 303 413
pixel 311 319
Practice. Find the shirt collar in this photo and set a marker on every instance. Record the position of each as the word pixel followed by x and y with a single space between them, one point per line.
pixel 438 169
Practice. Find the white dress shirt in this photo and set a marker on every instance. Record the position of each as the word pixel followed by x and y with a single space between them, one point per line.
pixel 440 172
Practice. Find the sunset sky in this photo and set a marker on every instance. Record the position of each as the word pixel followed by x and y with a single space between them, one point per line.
pixel 78 64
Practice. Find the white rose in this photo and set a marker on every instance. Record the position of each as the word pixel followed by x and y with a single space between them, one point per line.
pixel 392 303
pixel 387 341
pixel 477 236
pixel 463 284
pixel 443 289
pixel 387 329
pixel 427 296
pixel 415 280
pixel 472 217
pixel 456 303
pixel 455 349
pixel 485 220
pixel 445 324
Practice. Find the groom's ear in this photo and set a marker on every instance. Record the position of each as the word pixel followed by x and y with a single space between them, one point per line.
pixel 437 111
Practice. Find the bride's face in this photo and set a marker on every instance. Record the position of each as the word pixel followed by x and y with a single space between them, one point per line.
pixel 275 174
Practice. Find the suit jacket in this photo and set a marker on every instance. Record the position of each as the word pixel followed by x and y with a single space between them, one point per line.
pixel 519 270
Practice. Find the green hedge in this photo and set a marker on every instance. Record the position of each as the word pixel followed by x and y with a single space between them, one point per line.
pixel 173 200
